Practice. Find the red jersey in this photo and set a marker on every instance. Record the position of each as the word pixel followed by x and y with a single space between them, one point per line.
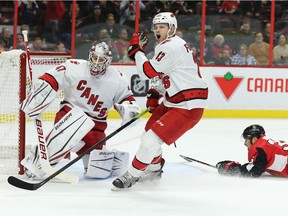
pixel 276 153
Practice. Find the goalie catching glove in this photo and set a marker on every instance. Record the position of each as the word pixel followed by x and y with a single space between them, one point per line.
pixel 127 110
pixel 137 43
pixel 230 168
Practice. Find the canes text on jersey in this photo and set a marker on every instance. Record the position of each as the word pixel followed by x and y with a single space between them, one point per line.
pixel 92 98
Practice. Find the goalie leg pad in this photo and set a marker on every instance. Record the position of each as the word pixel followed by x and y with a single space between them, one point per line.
pixel 100 164
pixel 65 136
pixel 120 163
pixel 67 133
pixel 103 163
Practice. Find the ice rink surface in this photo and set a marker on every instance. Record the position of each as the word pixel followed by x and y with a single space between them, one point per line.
pixel 185 188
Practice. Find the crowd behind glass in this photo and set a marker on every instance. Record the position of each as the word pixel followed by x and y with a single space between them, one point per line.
pixel 236 32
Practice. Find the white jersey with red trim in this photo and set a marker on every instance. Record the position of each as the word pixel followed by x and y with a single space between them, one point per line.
pixel 95 96
pixel 174 63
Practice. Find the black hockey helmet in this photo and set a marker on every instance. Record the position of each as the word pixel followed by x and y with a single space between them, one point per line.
pixel 252 131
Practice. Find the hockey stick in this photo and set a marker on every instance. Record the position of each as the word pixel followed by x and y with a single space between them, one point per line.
pixel 194 160
pixel 34 186
pixel 41 142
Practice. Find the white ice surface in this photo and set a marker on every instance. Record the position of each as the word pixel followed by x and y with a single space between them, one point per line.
pixel 185 188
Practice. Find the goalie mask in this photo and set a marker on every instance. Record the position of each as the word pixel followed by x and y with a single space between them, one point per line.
pixel 253 131
pixel 100 58
pixel 166 18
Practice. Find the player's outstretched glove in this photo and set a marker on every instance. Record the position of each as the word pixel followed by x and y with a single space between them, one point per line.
pixel 143 40
pixel 137 44
pixel 152 102
pixel 230 168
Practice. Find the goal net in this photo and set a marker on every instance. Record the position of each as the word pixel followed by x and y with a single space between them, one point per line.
pixel 17 133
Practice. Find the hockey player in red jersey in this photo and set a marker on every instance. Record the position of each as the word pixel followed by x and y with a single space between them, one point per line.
pixel 90 88
pixel 182 88
pixel 264 155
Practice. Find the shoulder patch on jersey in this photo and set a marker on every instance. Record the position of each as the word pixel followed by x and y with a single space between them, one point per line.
pixel 73 61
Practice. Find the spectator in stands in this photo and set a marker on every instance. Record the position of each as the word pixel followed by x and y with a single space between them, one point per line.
pixel 280 52
pixel 60 47
pixel 243 36
pixel 250 8
pixel 37 45
pixel 67 25
pixel 260 50
pixel 266 33
pixel 229 7
pixel 218 46
pixel 54 14
pixel 110 26
pixel 121 45
pixel 225 58
pixel 96 17
pixel 6 39
pixel 104 36
pixel 20 42
pixel 127 11
pixel 180 7
pixel 208 52
pixel 112 7
pixel 242 57
pixel 196 54
pixel 28 13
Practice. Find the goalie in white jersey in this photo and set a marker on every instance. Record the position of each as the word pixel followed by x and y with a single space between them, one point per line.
pixel 91 88
pixel 184 97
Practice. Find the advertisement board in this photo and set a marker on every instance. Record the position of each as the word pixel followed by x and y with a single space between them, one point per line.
pixel 233 91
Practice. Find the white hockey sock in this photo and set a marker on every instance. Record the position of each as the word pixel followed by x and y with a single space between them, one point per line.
pixel 150 146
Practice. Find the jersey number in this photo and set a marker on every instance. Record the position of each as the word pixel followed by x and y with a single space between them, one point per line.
pixel 281 143
pixel 160 56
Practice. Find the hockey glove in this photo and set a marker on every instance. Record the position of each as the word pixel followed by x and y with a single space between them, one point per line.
pixel 229 168
pixel 143 40
pixel 128 110
pixel 134 47
pixel 153 98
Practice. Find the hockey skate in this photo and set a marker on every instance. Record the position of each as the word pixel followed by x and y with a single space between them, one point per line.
pixel 124 181
pixel 149 175
pixel 32 166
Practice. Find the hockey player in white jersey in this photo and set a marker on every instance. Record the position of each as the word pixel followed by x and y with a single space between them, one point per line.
pixel 184 95
pixel 91 88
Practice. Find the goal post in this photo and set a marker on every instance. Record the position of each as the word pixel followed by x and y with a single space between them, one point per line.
pixel 17 134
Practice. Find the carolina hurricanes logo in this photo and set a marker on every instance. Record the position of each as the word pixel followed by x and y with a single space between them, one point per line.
pixel 228 84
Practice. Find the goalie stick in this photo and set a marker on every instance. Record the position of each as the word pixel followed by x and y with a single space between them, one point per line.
pixel 41 142
pixel 34 186
pixel 194 160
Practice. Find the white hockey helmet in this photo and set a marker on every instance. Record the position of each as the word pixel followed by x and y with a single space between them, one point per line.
pixel 165 17
pixel 100 57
